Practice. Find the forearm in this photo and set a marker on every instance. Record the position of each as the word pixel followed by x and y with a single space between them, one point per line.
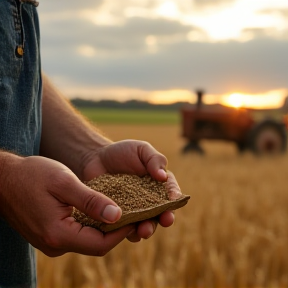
pixel 66 136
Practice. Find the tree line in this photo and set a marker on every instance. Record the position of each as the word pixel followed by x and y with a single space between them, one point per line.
pixel 130 104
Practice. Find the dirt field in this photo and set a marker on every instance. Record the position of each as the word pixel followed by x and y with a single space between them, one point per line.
pixel 233 232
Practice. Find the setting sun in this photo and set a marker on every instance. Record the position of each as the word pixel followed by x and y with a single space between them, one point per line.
pixel 234 100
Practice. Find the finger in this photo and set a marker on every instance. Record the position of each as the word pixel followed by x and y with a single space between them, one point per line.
pixel 154 161
pixel 90 241
pixel 133 237
pixel 146 228
pixel 172 187
pixel 92 203
pixel 166 219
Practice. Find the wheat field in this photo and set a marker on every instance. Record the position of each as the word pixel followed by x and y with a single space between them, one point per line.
pixel 232 233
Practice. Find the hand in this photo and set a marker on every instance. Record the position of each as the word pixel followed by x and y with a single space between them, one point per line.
pixel 36 199
pixel 134 157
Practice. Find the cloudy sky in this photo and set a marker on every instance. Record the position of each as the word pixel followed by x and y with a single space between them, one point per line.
pixel 162 50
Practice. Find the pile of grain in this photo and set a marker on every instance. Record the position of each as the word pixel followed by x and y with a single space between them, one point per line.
pixel 130 192
pixel 139 198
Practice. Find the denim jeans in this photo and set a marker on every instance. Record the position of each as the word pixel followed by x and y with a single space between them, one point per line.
pixel 20 122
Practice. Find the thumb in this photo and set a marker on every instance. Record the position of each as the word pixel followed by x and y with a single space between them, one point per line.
pixel 94 204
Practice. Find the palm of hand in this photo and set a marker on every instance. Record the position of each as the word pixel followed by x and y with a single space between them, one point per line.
pixel 134 157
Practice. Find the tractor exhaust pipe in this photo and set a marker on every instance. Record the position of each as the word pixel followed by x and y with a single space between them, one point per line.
pixel 199 99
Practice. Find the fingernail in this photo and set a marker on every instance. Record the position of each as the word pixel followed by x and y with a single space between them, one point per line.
pixel 111 213
pixel 162 173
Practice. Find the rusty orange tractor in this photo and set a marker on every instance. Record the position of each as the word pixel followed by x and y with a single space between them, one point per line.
pixel 217 122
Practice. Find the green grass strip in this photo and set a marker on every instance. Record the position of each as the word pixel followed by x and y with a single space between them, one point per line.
pixel 130 116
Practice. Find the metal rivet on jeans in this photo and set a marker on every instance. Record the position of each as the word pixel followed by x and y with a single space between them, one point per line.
pixel 19 51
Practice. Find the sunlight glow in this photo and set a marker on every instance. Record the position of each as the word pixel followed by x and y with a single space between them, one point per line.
pixel 170 96
pixel 168 9
pixel 229 22
pixel 268 100
pixel 235 100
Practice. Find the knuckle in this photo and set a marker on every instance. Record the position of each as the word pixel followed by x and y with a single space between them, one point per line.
pixel 146 143
pixel 90 203
pixel 61 180
pixel 157 159
pixel 162 158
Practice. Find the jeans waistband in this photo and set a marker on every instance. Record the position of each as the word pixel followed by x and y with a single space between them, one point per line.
pixel 32 2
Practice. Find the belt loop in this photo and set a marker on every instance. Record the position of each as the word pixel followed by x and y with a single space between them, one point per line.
pixel 32 2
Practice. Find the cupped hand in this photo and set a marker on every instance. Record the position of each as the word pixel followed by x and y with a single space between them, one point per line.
pixel 134 157
pixel 36 199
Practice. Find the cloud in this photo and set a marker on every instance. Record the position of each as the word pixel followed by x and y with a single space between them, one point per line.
pixel 270 32
pixel 154 53
pixel 280 11
pixel 252 67
pixel 284 12
pixel 126 37
pixel 54 6
pixel 209 3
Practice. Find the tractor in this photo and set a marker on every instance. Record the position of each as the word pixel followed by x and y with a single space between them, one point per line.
pixel 237 125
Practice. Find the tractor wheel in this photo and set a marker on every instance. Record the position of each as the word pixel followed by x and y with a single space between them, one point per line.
pixel 268 137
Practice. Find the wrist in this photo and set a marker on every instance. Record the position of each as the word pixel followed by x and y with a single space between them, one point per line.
pixel 8 162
